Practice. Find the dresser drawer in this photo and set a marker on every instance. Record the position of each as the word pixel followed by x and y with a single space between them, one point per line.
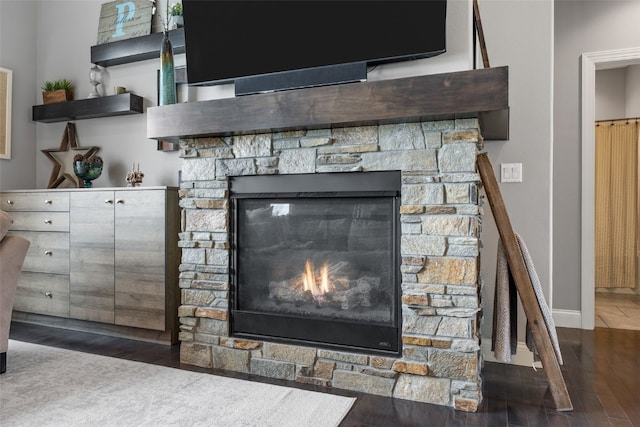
pixel 40 221
pixel 49 201
pixel 43 294
pixel 48 252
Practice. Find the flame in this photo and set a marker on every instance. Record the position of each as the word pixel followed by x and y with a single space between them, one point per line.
pixel 324 284
pixel 311 283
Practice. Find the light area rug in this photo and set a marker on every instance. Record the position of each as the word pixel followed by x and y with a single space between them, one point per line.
pixel 47 386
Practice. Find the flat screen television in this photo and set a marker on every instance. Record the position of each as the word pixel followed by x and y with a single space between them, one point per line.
pixel 271 45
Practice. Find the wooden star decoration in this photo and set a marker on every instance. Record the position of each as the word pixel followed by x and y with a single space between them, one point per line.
pixel 62 158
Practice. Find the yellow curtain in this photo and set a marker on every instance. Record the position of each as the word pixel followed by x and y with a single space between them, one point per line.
pixel 616 199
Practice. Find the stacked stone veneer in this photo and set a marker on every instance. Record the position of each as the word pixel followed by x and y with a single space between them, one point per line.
pixel 440 222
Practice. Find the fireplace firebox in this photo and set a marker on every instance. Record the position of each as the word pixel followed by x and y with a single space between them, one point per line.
pixel 315 259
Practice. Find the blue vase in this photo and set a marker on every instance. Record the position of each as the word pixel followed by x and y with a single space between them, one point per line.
pixel 87 171
pixel 167 74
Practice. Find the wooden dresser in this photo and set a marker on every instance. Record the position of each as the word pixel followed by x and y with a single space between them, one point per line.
pixel 102 260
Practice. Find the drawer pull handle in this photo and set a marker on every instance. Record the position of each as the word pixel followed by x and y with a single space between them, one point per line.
pixel 48 253
pixel 120 202
pixel 48 202
pixel 9 202
pixel 48 294
pixel 109 201
pixel 48 221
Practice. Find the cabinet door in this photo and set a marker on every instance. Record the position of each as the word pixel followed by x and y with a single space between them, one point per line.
pixel 140 298
pixel 91 264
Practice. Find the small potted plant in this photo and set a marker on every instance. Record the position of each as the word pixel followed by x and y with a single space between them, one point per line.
pixel 176 20
pixel 57 91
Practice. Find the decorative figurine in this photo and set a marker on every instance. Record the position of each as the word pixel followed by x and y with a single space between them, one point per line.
pixel 134 178
pixel 95 78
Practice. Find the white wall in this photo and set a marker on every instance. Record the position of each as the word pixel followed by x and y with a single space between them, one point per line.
pixel 580 27
pixel 18 53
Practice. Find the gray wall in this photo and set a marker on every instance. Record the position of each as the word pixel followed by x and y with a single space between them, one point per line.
pixel 632 85
pixel 18 53
pixel 580 27
pixel 618 93
pixel 530 95
pixel 611 94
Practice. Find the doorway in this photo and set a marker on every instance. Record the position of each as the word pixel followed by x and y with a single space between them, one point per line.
pixel 617 302
pixel 590 63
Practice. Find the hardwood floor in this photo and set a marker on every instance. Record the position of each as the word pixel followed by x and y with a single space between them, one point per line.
pixel 601 370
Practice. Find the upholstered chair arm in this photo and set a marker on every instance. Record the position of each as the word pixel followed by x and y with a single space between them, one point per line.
pixel 13 250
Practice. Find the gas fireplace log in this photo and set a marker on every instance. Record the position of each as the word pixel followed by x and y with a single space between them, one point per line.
pixel 359 293
pixel 352 294
pixel 284 291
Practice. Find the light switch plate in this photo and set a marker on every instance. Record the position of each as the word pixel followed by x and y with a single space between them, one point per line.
pixel 511 172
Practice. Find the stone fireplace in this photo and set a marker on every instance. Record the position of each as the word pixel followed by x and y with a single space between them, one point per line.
pixel 424 130
pixel 439 354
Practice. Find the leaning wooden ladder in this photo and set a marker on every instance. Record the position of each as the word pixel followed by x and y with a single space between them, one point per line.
pixel 524 286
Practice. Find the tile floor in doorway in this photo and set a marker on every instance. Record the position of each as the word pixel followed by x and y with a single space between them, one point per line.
pixel 617 311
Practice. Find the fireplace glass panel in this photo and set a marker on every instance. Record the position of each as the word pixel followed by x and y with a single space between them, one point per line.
pixel 318 257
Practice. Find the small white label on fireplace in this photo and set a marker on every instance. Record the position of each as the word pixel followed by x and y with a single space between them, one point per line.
pixel 511 172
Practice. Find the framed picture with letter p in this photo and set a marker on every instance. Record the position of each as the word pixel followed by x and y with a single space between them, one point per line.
pixel 5 113
pixel 124 19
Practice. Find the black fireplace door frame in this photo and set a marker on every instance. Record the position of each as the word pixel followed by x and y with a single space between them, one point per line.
pixel 318 332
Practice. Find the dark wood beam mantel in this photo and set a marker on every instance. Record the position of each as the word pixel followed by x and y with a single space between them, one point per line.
pixel 480 93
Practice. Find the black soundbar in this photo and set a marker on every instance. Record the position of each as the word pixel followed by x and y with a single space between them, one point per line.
pixel 297 79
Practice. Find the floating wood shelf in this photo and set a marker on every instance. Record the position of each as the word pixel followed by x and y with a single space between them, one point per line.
pixel 476 93
pixel 106 106
pixel 135 49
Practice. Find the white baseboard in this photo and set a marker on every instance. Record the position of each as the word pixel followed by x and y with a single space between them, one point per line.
pixel 567 318
pixel 523 356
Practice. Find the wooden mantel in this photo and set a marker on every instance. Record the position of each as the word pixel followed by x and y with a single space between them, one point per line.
pixel 480 93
